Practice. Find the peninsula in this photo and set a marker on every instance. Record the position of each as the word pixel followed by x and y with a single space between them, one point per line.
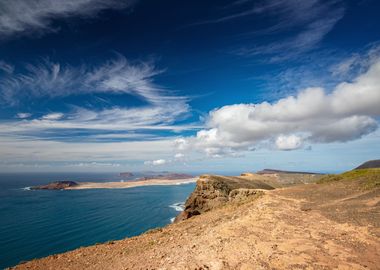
pixel 71 185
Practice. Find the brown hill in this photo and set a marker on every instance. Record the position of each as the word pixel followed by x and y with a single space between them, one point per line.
pixel 369 164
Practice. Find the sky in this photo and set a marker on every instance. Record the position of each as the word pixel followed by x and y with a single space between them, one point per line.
pixel 188 86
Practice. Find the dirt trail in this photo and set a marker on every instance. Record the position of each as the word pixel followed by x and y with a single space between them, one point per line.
pixel 307 227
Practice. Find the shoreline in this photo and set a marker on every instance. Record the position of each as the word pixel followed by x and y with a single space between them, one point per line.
pixel 130 184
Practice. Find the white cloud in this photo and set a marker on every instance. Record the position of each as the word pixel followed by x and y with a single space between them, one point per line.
pixel 347 113
pixel 179 156
pixel 53 116
pixel 23 115
pixel 291 142
pixel 156 162
pixel 26 16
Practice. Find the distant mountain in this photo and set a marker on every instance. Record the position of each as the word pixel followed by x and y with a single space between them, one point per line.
pixel 369 164
pixel 272 171
pixel 126 174
pixel 167 176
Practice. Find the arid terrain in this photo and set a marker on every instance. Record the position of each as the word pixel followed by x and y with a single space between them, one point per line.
pixel 331 224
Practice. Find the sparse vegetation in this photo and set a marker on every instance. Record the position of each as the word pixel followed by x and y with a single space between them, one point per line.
pixel 367 178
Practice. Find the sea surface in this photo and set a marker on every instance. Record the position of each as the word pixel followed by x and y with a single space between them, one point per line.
pixel 38 223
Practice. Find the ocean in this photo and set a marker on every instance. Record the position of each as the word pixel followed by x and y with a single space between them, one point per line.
pixel 39 223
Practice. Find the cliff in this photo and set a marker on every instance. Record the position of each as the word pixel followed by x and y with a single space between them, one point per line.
pixel 213 191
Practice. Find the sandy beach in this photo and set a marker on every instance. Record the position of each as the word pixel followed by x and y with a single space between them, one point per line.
pixel 130 184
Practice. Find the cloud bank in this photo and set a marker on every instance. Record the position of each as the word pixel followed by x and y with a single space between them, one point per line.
pixel 314 115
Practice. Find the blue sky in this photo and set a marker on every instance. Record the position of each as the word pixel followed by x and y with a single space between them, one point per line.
pixel 196 86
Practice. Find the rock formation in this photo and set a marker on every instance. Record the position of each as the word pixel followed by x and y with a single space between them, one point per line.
pixel 213 191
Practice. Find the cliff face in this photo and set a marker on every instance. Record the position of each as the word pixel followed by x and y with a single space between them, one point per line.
pixel 213 191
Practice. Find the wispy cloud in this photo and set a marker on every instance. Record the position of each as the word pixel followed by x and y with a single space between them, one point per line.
pixel 304 23
pixel 116 76
pixel 6 67
pixel 26 16
pixel 53 116
pixel 161 109
pixel 23 115
pixel 300 25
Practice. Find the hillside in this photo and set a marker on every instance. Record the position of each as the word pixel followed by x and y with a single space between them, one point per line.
pixel 277 178
pixel 334 223
pixel 369 164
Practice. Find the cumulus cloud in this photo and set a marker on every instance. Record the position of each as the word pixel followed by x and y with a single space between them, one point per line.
pixel 25 16
pixel 291 142
pixel 314 115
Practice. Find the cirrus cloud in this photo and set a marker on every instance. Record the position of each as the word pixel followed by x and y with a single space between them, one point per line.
pixel 38 15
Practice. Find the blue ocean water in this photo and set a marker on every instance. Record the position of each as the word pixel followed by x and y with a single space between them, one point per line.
pixel 35 224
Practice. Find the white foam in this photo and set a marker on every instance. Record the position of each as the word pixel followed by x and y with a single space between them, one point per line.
pixel 179 207
pixel 26 188
pixel 172 220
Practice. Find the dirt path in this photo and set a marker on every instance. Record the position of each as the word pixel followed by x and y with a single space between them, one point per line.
pixel 296 228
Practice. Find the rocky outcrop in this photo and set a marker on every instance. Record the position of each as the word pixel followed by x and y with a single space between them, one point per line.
pixel 213 191
pixel 56 185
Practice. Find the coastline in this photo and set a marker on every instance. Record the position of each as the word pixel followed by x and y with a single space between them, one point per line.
pixel 232 223
pixel 131 184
